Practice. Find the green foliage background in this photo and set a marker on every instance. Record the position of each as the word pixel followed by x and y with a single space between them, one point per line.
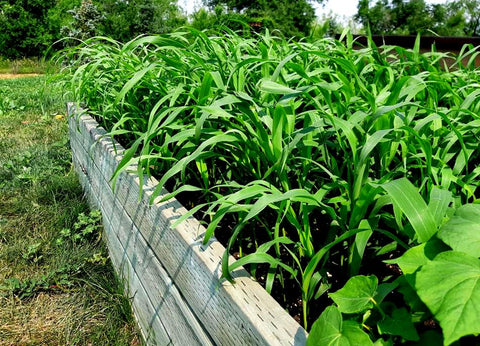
pixel 24 27
pixel 28 28
pixel 409 17
pixel 292 18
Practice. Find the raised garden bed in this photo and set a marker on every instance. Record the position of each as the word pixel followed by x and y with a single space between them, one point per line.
pixel 174 282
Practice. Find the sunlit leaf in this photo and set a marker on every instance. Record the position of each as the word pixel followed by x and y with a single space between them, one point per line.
pixel 357 294
pixel 331 330
pixel 450 287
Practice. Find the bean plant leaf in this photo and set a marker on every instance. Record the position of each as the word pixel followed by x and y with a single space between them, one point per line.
pixel 400 323
pixel 450 287
pixel 357 294
pixel 406 197
pixel 383 290
pixel 382 342
pixel 417 256
pixel 330 330
pixel 406 284
pixel 462 231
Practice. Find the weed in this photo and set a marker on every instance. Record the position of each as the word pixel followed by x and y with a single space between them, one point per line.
pixel 33 253
pixel 87 228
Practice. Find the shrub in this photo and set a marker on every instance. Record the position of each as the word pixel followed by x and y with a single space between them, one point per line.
pixel 24 28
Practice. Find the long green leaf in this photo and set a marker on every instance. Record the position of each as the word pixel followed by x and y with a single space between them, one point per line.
pixel 406 197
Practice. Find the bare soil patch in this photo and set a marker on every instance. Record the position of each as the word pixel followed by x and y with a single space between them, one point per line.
pixel 17 75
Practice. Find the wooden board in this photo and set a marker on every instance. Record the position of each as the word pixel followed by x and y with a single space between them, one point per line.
pixel 165 300
pixel 225 314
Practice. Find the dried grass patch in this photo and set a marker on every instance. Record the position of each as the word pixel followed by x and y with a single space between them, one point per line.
pixel 51 319
pixel 40 320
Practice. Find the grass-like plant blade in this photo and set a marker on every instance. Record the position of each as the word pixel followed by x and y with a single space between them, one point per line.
pixel 126 160
pixel 134 80
pixel 406 197
pixel 275 88
pixel 358 248
pixel 438 205
pixel 261 256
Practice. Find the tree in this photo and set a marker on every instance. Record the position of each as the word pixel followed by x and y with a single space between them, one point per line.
pixel 126 19
pixel 472 14
pixel 60 15
pixel 30 27
pixel 377 18
pixel 24 27
pixel 85 23
pixel 455 18
pixel 395 16
pixel 449 19
pixel 203 19
pixel 292 18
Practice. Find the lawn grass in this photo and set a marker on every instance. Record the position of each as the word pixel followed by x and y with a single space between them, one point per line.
pixel 57 285
pixel 23 66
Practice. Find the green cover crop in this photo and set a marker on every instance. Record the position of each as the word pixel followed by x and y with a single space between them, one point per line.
pixel 344 177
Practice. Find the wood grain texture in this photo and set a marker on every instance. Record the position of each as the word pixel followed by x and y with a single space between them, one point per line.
pixel 229 314
pixel 152 329
pixel 164 299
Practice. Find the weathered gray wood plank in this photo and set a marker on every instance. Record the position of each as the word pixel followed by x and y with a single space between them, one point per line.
pixel 233 314
pixel 181 325
pixel 153 328
pixel 150 325
pixel 142 310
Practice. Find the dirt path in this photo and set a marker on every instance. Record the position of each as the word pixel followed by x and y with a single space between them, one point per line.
pixel 17 75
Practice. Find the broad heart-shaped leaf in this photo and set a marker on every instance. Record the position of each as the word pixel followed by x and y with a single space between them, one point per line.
pixel 450 287
pixel 419 255
pixel 357 294
pixel 381 342
pixel 406 284
pixel 462 231
pixel 330 330
pixel 400 323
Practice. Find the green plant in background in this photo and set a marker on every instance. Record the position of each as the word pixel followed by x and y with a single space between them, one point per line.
pixel 86 20
pixel 409 17
pixel 17 18
pixel 87 229
pixel 292 19
pixel 320 162
pixel 60 279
